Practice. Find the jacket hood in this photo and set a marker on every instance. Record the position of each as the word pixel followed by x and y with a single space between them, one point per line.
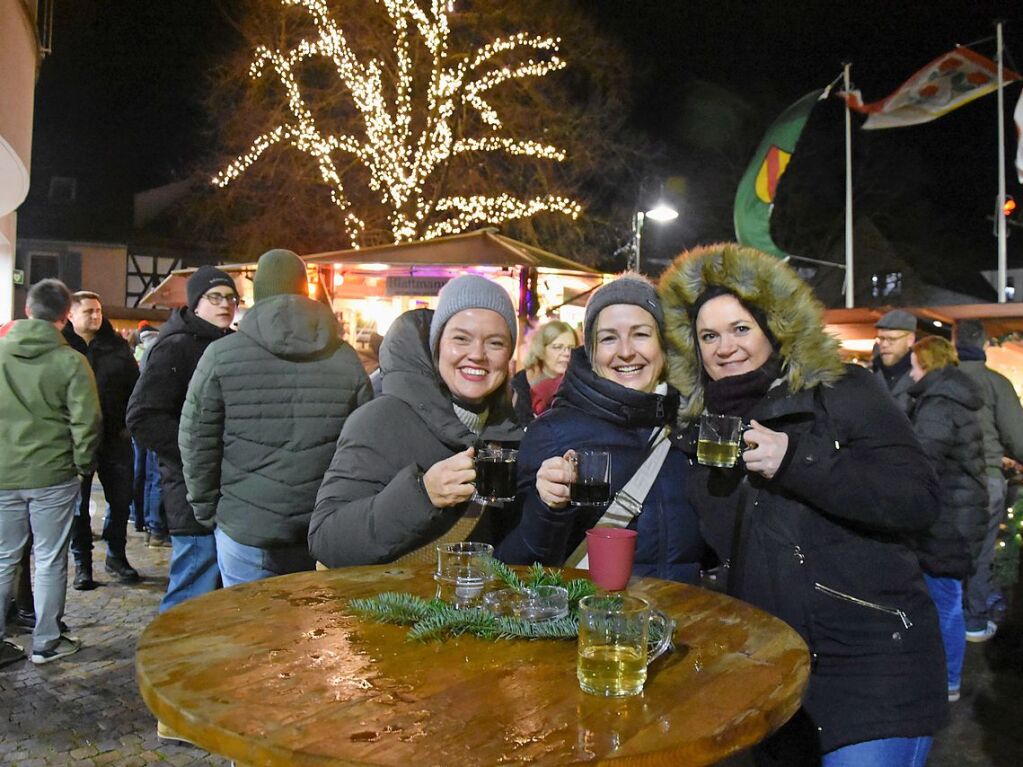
pixel 292 327
pixel 951 383
pixel 610 401
pixel 409 374
pixel 30 339
pixel 795 317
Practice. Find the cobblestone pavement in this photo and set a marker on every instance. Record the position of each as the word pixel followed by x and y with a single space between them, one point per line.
pixel 86 709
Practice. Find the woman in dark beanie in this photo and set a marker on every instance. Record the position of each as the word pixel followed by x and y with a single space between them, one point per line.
pixel 944 414
pixel 613 398
pixel 815 520
pixel 402 474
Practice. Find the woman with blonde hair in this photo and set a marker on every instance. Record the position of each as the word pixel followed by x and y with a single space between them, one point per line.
pixel 550 348
pixel 944 412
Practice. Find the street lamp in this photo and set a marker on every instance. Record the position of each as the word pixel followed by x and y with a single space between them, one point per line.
pixel 662 212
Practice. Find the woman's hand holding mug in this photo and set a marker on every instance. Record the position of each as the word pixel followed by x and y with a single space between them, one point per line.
pixel 450 482
pixel 554 480
pixel 765 449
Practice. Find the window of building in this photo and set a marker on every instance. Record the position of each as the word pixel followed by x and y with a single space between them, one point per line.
pixel 884 284
pixel 43 266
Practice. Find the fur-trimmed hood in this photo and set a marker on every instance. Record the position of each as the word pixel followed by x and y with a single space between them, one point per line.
pixel 794 316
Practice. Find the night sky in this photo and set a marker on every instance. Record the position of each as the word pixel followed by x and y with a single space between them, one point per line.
pixel 119 105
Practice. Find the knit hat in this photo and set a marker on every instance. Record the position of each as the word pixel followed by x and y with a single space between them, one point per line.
pixel 206 277
pixel 471 291
pixel 897 319
pixel 279 272
pixel 629 288
pixel 144 328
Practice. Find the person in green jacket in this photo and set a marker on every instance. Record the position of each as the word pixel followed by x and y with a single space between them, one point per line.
pixel 262 415
pixel 50 430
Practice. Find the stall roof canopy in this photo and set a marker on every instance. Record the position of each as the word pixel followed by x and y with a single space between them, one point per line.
pixel 484 247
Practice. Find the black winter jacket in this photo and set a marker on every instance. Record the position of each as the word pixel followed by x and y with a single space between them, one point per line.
pixel 372 507
pixel 825 544
pixel 116 372
pixel 592 412
pixel 261 419
pixel 945 418
pixel 154 409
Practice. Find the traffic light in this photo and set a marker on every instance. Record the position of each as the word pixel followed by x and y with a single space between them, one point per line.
pixel 1009 206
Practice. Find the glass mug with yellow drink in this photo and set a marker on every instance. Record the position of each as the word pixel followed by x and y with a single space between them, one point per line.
pixel 614 647
pixel 720 440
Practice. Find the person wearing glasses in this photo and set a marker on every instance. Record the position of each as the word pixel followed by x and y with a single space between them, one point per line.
pixel 547 359
pixel 261 418
pixel 896 334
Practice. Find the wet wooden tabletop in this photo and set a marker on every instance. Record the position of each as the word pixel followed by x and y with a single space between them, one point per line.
pixel 279 672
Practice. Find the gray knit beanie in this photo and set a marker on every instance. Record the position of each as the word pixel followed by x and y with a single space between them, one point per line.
pixel 628 288
pixel 471 292
pixel 279 272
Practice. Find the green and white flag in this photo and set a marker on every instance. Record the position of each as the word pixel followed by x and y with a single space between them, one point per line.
pixel 754 200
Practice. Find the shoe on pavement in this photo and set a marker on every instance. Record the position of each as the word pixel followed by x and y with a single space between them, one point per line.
pixel 163 732
pixel 10 652
pixel 158 540
pixel 65 646
pixel 984 634
pixel 83 579
pixel 120 569
pixel 953 694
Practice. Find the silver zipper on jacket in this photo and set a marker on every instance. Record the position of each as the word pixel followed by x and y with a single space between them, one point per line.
pixel 864 603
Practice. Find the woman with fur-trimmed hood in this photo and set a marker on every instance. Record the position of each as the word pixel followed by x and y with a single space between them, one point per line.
pixel 814 521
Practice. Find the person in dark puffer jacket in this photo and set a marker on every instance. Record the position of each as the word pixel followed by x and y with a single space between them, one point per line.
pixel 613 398
pixel 261 419
pixel 944 414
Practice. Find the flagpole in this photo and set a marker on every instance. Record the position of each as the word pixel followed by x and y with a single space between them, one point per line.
pixel 849 297
pixel 1001 174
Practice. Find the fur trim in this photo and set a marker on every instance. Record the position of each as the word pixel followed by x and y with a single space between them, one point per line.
pixel 794 315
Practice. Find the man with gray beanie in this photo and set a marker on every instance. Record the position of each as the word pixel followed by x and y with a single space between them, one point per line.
pixel 1001 421
pixel 896 334
pixel 261 419
pixel 402 477
pixel 154 411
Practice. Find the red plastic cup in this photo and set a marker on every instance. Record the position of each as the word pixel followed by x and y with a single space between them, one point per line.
pixel 610 551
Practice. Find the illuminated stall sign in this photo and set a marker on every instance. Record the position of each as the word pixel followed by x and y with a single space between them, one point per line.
pixel 415 286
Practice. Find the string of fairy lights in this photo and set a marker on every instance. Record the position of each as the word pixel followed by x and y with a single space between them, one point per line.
pixel 399 161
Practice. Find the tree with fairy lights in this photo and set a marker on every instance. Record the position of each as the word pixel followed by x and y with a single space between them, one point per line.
pixel 360 123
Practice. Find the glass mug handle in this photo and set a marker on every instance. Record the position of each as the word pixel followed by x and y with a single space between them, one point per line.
pixel 667 629
pixel 744 427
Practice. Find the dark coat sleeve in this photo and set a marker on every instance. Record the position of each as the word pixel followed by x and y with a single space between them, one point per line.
pixel 155 405
pixel 543 533
pixel 862 463
pixel 372 507
pixel 1008 416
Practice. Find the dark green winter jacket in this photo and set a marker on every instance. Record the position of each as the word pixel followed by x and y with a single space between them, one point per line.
pixel 263 411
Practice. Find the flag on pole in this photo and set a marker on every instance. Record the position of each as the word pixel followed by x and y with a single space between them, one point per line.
pixel 1017 116
pixel 754 200
pixel 950 81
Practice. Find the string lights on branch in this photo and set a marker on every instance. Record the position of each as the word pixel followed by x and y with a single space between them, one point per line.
pixel 402 149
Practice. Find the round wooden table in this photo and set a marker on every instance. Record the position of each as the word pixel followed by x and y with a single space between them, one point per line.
pixel 279 672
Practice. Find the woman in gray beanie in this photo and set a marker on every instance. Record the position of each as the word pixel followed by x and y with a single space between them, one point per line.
pixel 613 398
pixel 402 475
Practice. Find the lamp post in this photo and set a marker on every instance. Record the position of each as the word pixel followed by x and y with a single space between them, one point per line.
pixel 662 212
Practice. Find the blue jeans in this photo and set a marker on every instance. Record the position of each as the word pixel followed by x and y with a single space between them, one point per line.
pixel 888 752
pixel 947 594
pixel 49 512
pixel 241 564
pixel 193 569
pixel 147 493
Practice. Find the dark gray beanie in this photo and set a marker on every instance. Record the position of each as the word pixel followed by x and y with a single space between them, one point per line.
pixel 206 277
pixel 471 291
pixel 628 288
pixel 896 319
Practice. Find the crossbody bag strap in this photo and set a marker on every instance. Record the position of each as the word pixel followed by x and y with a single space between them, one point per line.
pixel 628 502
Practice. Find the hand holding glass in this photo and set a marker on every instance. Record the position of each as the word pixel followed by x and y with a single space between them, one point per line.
pixel 592 483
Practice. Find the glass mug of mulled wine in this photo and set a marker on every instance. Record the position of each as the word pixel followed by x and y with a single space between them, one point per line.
pixel 495 474
pixel 592 483
pixel 614 643
pixel 719 443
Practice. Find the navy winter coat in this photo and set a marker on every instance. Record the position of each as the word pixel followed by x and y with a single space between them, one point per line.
pixel 592 412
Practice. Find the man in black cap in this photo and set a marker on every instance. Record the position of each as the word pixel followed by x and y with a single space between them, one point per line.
pixel 155 410
pixel 896 334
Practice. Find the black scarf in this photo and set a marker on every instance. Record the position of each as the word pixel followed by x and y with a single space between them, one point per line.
pixel 971 353
pixel 738 395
